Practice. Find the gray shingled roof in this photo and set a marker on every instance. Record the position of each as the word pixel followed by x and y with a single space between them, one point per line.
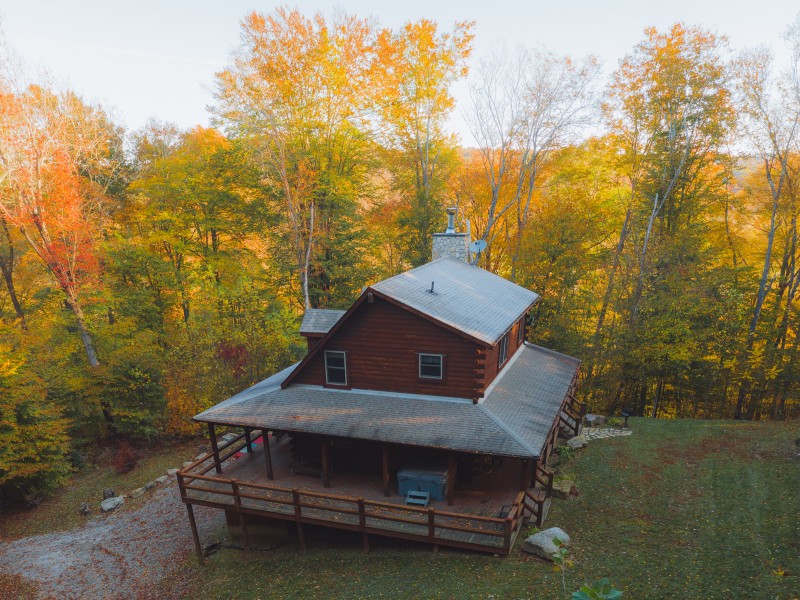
pixel 320 320
pixel 468 298
pixel 513 420
pixel 527 396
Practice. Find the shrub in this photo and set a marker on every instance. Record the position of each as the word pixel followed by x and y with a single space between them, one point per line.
pixel 565 453
pixel 600 590
pixel 124 458
pixel 77 459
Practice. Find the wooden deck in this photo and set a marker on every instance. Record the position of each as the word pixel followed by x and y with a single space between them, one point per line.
pixel 355 501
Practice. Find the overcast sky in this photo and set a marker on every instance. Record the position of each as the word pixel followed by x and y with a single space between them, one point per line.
pixel 158 58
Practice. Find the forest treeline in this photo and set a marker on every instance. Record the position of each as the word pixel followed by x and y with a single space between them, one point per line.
pixel 148 274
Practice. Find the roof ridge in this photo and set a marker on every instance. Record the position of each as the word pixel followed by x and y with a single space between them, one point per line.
pixel 499 377
pixel 515 436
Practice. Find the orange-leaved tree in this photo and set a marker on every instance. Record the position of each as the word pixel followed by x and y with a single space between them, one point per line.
pixel 52 150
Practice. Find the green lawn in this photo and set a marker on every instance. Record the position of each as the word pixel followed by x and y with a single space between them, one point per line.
pixel 680 509
pixel 60 513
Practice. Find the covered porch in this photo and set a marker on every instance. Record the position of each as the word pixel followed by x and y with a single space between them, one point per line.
pixel 352 484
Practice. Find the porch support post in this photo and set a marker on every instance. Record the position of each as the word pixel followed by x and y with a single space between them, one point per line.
pixel 451 477
pixel 214 448
pixel 525 475
pixel 326 479
pixel 298 511
pixel 198 548
pixel 385 452
pixel 267 455
pixel 248 441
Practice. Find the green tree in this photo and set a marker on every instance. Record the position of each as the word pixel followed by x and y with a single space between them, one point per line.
pixel 34 440
pixel 670 113
pixel 417 67
pixel 298 94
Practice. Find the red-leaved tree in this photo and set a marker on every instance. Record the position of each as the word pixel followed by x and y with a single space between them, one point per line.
pixel 51 144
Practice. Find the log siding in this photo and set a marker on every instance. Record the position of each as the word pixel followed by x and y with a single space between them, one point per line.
pixel 383 343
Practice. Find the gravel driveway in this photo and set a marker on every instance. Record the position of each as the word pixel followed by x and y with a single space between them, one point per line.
pixel 123 555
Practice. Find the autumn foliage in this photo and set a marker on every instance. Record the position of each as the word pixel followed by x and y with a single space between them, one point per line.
pixel 150 274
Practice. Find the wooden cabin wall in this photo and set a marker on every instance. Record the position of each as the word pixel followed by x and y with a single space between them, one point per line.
pixel 382 342
pixel 493 353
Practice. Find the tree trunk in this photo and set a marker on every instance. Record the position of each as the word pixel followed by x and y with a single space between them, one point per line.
pixel 306 297
pixel 623 236
pixel 12 292
pixel 85 337
pixel 744 388
pixel 7 268
pixel 657 399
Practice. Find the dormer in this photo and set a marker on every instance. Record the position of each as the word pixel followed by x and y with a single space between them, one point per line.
pixel 317 322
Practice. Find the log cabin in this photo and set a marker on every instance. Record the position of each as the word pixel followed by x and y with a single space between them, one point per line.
pixel 423 412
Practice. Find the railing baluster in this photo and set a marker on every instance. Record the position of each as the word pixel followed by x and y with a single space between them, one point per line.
pixel 362 523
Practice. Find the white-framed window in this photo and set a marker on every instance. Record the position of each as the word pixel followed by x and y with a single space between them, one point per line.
pixel 335 367
pixel 431 366
pixel 502 355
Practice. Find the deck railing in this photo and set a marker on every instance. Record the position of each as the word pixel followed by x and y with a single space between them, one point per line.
pixel 434 526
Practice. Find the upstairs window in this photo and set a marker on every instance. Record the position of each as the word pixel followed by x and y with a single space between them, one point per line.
pixel 335 368
pixel 431 366
pixel 502 355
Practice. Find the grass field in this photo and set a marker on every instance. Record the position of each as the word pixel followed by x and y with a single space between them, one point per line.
pixel 680 509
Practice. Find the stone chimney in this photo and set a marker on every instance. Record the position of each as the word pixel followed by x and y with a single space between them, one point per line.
pixel 451 243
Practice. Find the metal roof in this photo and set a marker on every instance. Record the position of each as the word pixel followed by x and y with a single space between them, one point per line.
pixel 513 420
pixel 465 297
pixel 320 320
pixel 527 398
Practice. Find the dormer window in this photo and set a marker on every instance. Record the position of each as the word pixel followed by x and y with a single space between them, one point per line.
pixel 502 355
pixel 335 368
pixel 431 366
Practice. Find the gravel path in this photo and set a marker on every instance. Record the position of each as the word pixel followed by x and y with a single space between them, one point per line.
pixel 121 556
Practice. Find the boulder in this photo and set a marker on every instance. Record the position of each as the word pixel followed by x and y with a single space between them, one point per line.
pixel 162 480
pixel 577 442
pixel 137 492
pixel 199 456
pixel 541 544
pixel 563 488
pixel 172 472
pixel 110 504
pixel 108 493
pixel 149 485
pixel 594 420
pixel 84 508
pixel 188 463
